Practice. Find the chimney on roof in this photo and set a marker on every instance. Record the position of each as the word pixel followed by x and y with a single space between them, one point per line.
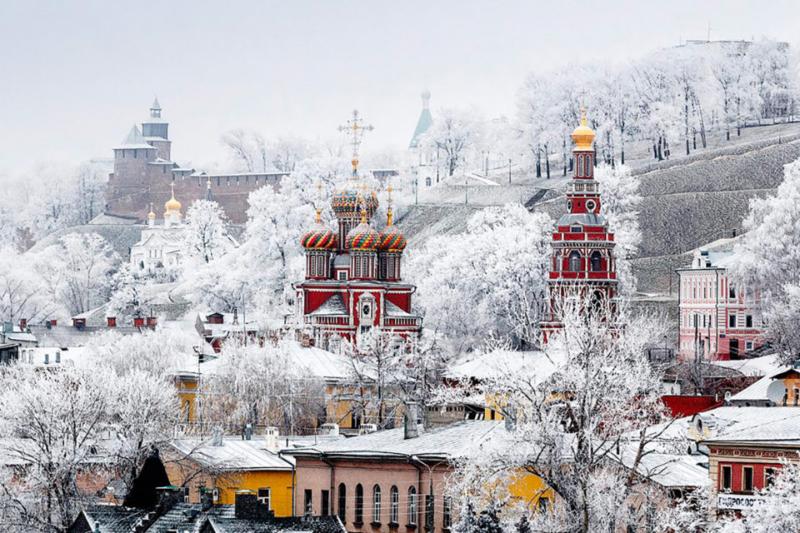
pixel 23 324
pixel 247 432
pixel 410 426
pixel 216 436
pixel 151 322
pixel 271 438
pixel 111 321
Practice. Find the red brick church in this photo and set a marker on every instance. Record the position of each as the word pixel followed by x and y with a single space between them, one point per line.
pixel 583 263
pixel 353 285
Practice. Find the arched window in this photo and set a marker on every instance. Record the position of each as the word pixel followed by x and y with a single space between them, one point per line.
pixel 359 518
pixel 342 503
pixel 394 505
pixel 596 259
pixel 412 506
pixel 587 166
pixel 376 504
pixel 580 165
pixel 575 261
pixel 427 182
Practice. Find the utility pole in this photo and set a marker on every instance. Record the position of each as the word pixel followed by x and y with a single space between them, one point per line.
pixel 509 171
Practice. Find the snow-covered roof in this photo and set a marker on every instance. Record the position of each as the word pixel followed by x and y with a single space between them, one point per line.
pixel 446 442
pixel 767 425
pixel 134 140
pixel 757 366
pixel 20 336
pixel 234 454
pixel 332 306
pixel 670 470
pixel 500 363
pixel 758 390
pixel 394 310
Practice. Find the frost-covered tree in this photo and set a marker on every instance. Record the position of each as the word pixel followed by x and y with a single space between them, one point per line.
pixel 129 296
pixel 205 232
pixel 22 290
pixel 261 385
pixel 259 273
pixel 497 270
pixel 453 134
pixel 620 205
pixel 592 397
pixel 78 270
pixel 768 259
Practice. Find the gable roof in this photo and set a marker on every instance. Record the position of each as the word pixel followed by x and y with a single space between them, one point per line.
pixel 332 306
pixel 235 454
pixel 134 140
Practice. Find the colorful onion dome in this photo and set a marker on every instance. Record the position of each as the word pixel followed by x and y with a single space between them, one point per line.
pixel 319 236
pixel 347 202
pixel 363 238
pixel 583 135
pixel 392 240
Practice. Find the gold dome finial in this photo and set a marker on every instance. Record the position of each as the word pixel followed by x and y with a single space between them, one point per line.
pixel 389 211
pixel 151 215
pixel 583 135
pixel 172 205
pixel 363 208
pixel 318 216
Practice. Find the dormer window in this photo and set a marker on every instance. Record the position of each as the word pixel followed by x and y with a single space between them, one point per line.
pixel 342 275
pixel 576 229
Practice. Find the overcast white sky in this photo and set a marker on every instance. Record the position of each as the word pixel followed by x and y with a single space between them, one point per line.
pixel 77 74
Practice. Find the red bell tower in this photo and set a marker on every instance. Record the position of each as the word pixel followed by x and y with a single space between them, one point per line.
pixel 583 264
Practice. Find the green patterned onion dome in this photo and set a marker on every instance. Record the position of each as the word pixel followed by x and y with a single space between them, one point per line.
pixel 319 237
pixel 363 237
pixel 346 202
pixel 392 240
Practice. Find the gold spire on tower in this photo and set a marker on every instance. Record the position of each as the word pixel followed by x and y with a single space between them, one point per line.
pixel 355 128
pixel 583 135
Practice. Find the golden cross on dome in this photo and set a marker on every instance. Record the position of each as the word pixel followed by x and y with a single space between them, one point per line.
pixel 389 211
pixel 583 115
pixel 355 128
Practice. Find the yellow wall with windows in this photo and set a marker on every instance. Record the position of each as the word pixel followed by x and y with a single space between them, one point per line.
pixel 278 481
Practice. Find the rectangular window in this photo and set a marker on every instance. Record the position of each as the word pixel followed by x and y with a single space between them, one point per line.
pixel 748 345
pixel 429 512
pixel 185 494
pixel 748 321
pixel 308 504
pixel 732 321
pixel 265 497
pixel 326 501
pixel 747 479
pixel 447 512
pixel 732 292
pixel 725 483
pixel 342 275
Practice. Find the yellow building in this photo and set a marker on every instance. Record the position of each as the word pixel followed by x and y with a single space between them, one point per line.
pixel 225 465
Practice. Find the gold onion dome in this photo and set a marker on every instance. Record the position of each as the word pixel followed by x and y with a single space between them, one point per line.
pixel 583 135
pixel 172 204
pixel 319 236
pixel 151 215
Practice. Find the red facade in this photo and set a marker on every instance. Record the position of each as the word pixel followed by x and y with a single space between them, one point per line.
pixel 583 263
pixel 353 283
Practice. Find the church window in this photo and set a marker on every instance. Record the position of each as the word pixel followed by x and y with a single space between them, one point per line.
pixel 575 261
pixel 580 166
pixel 342 275
pixel 587 166
pixel 575 229
pixel 596 261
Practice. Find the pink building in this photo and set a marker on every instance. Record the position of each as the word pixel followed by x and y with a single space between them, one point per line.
pixel 719 319
pixel 387 481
